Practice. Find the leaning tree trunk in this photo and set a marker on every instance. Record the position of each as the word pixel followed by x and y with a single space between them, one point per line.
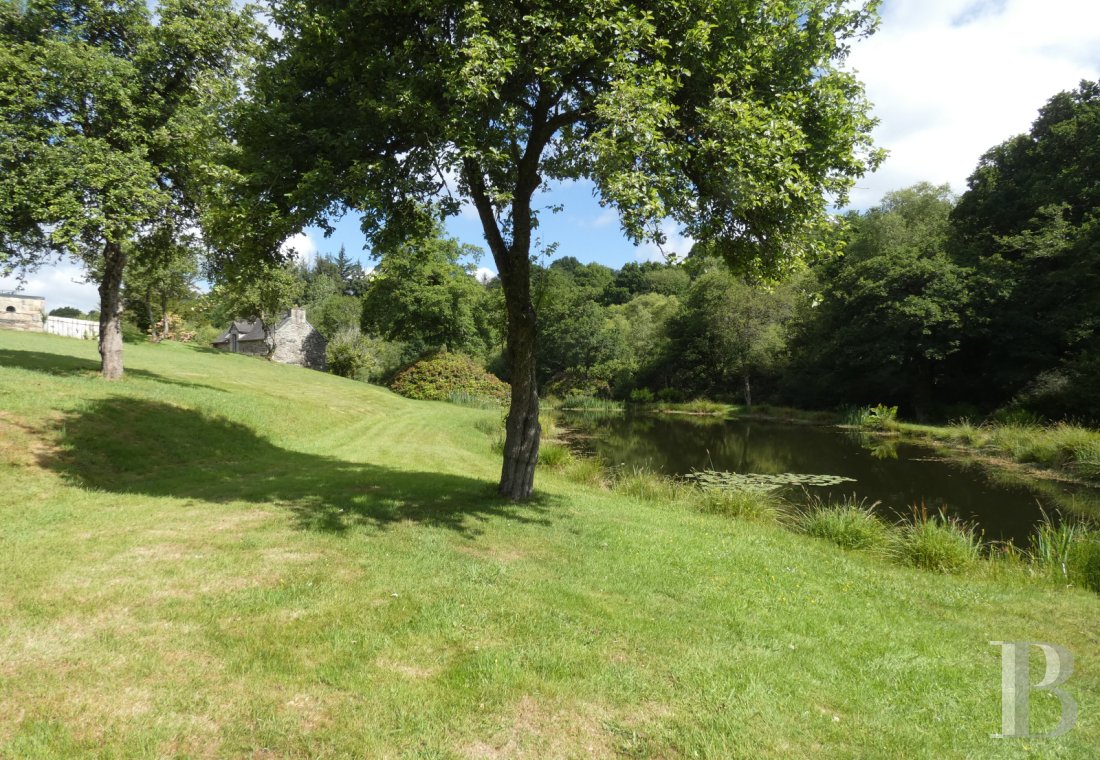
pixel 110 311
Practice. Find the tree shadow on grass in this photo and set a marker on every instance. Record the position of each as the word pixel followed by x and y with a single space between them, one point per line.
pixel 63 365
pixel 124 445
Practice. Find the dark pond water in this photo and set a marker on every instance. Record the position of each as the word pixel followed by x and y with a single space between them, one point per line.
pixel 1005 505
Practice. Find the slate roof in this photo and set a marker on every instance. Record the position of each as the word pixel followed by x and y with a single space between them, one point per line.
pixel 246 329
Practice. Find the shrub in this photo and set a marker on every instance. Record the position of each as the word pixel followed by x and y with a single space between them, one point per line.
pixel 851 524
pixel 436 377
pixel 882 417
pixel 348 354
pixel 938 542
pixel 131 333
pixel 641 396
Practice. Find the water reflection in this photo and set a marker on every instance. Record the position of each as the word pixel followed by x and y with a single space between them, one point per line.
pixel 897 474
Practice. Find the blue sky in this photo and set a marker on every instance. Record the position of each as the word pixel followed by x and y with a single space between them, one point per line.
pixel 949 79
pixel 582 229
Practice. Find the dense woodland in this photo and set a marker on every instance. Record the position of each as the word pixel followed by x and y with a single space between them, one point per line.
pixel 948 307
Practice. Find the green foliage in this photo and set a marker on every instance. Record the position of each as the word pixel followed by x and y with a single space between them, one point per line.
pixel 759 482
pixel 851 524
pixel 647 485
pixel 131 333
pixel 589 404
pixel 67 311
pixel 335 314
pixel 436 377
pixel 362 357
pixel 462 398
pixel 890 311
pixel 729 331
pixel 1053 544
pixel 1085 562
pixel 420 294
pixel 1028 224
pixel 938 542
pixel 739 504
pixel 555 456
pixel 114 130
pixel 348 354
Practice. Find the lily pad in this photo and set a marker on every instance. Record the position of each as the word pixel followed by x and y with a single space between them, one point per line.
pixel 762 482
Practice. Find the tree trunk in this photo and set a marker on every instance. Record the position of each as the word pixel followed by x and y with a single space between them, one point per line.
pixel 164 312
pixel 152 317
pixel 748 393
pixel 522 432
pixel 110 311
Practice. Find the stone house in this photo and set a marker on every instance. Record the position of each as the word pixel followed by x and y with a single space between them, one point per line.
pixel 19 312
pixel 295 340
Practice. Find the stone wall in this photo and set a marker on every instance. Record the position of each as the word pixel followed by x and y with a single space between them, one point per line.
pixel 298 342
pixel 22 313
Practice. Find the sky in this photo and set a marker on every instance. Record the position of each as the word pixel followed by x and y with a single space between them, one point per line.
pixel 949 79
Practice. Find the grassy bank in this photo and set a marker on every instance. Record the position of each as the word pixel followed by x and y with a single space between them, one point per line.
pixel 219 557
pixel 1062 447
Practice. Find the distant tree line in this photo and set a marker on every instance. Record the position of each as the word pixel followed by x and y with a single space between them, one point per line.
pixel 946 306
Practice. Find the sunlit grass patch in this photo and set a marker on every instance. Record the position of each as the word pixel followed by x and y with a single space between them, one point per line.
pixel 850 524
pixel 937 541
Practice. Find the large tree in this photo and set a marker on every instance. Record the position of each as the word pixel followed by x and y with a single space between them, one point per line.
pixel 111 120
pixel 1030 225
pixel 735 119
pixel 893 308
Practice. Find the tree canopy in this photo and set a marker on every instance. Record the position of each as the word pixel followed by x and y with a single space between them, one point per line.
pixel 112 119
pixel 734 119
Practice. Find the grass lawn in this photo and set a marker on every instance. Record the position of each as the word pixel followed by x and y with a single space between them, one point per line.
pixel 221 557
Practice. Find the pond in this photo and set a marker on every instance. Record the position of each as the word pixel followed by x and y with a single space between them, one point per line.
pixel 898 474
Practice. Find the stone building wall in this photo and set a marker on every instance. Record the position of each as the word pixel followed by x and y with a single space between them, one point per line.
pixel 22 312
pixel 298 342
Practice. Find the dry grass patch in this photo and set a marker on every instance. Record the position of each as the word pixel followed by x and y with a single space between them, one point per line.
pixel 533 729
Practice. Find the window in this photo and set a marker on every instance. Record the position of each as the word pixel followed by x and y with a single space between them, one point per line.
pixel 10 310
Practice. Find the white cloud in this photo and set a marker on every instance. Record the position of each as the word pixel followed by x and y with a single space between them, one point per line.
pixel 950 80
pixel 61 284
pixel 484 274
pixel 606 218
pixel 300 246
pixel 676 243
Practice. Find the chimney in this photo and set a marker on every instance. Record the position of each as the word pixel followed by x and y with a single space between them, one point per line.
pixel 297 315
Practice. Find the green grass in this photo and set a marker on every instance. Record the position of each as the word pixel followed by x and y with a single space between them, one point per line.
pixel 938 542
pixel 221 557
pixel 850 524
pixel 1062 446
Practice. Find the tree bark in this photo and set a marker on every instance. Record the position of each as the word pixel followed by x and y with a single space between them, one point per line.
pixel 110 311
pixel 748 393
pixel 522 431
